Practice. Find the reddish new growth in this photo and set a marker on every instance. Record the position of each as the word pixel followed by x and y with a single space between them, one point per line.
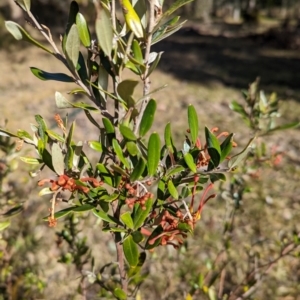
pixel 64 182
pixel 135 198
pixel 176 225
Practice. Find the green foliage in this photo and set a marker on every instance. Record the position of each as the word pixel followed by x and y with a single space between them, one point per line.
pixel 138 186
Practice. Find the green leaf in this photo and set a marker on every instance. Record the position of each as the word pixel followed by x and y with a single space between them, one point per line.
pixel 13 211
pixel 127 220
pixel 217 176
pixel 132 148
pixel 42 127
pixel 235 106
pixel 45 191
pixel 119 152
pixel 25 4
pixel 109 127
pixel 105 174
pixel 172 189
pixel 82 71
pixel 31 160
pixel 70 135
pixel 83 208
pixel 132 19
pixel 131 252
pixel 154 63
pixel 139 215
pixel 73 11
pixel 4 132
pixel 175 6
pixel 61 213
pixel 213 147
pixel 138 170
pixel 126 89
pixel 72 47
pixel 104 31
pixel 285 126
pixel 55 136
pixel 4 225
pixel 110 198
pixel 212 141
pixel 166 32
pixel 226 147
pixel 83 30
pixel 57 159
pixel 127 133
pixel 95 145
pixel 193 123
pixel 153 155
pixel 238 158
pixel 137 52
pixel 25 136
pixel 168 138
pixel 105 217
pixel 174 170
pixel 61 101
pixel 120 294
pixel 137 236
pixel 148 117
pixel 20 33
pixel 189 160
pixel 42 75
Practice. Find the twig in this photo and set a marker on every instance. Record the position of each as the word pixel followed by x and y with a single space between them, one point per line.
pixel 285 251
pixel 120 253
pixel 146 78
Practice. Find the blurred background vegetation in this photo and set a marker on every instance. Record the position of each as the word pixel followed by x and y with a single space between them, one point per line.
pixel 226 45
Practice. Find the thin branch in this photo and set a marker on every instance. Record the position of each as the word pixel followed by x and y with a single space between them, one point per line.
pixel 44 33
pixel 145 78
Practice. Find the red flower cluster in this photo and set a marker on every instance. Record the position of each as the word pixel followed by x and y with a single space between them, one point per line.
pixel 175 226
pixel 140 199
pixel 64 182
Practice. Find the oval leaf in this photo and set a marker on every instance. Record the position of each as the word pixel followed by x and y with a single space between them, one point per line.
pixel 57 159
pixel 226 147
pixel 95 145
pixel 20 33
pixel 189 160
pixel 148 117
pixel 132 148
pixel 137 52
pixel 132 19
pixel 104 31
pixel 139 215
pixel 168 138
pixel 172 189
pixel 131 252
pixel 4 224
pixel 127 133
pixel 193 123
pixel 72 47
pixel 83 30
pixel 119 152
pixel 127 220
pixel 120 294
pixel 153 153
pixel 138 170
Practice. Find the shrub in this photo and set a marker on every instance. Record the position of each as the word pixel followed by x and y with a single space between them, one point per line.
pixel 147 192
